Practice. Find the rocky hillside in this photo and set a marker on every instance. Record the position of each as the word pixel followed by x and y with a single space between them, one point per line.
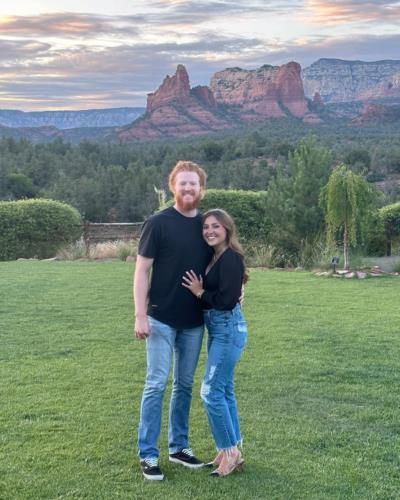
pixel 176 110
pixel 270 91
pixel 373 113
pixel 111 117
pixel 341 81
pixel 235 97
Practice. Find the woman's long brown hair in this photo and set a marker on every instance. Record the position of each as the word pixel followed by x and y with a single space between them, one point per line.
pixel 231 233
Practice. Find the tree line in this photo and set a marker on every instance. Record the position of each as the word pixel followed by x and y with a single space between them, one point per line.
pixel 123 182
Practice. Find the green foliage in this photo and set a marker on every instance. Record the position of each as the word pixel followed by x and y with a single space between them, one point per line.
pixel 212 151
pixel 359 159
pixel 375 237
pixel 390 216
pixel 293 201
pixel 346 200
pixel 310 163
pixel 20 186
pixel 391 219
pixel 30 228
pixel 246 207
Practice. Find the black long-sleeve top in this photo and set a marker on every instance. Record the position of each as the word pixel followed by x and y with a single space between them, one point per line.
pixel 223 282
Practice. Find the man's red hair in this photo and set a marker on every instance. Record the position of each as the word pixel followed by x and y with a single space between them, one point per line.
pixel 187 166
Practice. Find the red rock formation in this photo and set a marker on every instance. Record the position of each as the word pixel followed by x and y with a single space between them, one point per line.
pixel 290 89
pixel 205 96
pixel 175 88
pixel 317 100
pixel 177 110
pixel 378 113
pixel 270 91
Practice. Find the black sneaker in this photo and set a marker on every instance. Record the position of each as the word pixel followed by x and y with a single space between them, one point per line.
pixel 186 458
pixel 151 470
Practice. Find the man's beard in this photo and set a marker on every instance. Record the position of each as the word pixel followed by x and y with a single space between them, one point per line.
pixel 187 205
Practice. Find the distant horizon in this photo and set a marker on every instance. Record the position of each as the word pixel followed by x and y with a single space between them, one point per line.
pixel 91 54
pixel 70 110
pixel 54 110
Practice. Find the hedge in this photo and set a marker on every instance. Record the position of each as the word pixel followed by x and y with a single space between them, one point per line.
pixel 390 216
pixel 36 228
pixel 248 208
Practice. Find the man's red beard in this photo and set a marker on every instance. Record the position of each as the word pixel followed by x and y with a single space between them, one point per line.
pixel 187 205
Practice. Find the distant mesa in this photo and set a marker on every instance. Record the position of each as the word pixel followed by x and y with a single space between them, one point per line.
pixel 336 80
pixel 109 117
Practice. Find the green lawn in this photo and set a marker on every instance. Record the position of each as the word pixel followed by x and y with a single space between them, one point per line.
pixel 318 389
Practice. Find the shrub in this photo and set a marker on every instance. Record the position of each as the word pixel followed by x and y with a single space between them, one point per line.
pixel 248 208
pixel 72 251
pixel 119 249
pixel 36 228
pixel 390 215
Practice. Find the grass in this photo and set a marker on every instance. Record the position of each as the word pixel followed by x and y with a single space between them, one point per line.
pixel 318 389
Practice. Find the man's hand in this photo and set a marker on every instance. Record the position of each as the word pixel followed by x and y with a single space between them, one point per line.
pixel 142 327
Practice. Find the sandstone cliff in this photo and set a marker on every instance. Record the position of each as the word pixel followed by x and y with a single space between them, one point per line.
pixel 235 96
pixel 342 81
pixel 270 91
pixel 176 110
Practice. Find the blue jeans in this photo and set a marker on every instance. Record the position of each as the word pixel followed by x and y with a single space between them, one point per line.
pixel 227 337
pixel 164 344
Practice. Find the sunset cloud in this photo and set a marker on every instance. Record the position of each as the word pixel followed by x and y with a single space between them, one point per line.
pixel 69 25
pixel 85 59
pixel 353 11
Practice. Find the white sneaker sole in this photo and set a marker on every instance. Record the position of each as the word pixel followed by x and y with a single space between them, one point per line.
pixel 152 477
pixel 190 466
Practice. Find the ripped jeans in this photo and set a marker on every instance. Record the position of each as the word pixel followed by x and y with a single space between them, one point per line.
pixel 227 337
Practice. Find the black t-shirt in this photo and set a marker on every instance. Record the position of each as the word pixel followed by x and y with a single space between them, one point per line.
pixel 223 282
pixel 176 244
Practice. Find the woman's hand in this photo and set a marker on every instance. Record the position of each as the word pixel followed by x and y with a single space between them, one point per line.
pixel 193 283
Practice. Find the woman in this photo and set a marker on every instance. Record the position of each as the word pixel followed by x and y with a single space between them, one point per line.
pixel 219 293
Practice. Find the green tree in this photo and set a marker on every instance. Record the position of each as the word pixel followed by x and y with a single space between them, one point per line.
pixel 390 216
pixel 310 163
pixel 359 159
pixel 20 186
pixel 346 200
pixel 293 199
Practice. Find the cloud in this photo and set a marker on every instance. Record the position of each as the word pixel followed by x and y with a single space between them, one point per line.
pixel 13 50
pixel 70 25
pixel 352 11
pixel 84 77
pixel 80 60
pixel 363 47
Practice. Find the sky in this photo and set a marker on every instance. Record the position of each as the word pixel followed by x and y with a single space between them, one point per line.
pixel 86 54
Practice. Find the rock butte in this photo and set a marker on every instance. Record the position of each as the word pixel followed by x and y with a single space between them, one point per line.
pixel 235 96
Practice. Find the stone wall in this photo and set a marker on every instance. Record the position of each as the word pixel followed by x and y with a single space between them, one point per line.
pixel 100 232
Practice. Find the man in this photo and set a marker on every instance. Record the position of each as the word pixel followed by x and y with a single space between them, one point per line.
pixel 169 316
